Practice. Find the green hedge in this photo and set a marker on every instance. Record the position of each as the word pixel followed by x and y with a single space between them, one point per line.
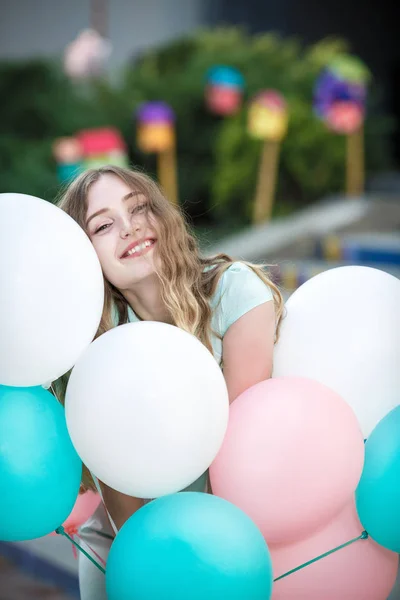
pixel 217 160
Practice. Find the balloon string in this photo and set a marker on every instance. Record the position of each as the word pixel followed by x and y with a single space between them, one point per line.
pixel 74 552
pixel 61 531
pixel 101 560
pixel 107 536
pixel 363 536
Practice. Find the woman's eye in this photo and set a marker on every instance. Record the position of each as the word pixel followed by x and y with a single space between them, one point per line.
pixel 139 208
pixel 102 227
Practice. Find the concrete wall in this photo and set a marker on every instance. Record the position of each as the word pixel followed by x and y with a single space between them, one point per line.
pixel 31 28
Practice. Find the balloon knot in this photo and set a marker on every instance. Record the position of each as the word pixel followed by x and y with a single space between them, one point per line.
pixel 60 530
pixel 364 535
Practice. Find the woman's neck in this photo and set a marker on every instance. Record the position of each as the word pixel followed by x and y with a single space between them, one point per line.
pixel 146 302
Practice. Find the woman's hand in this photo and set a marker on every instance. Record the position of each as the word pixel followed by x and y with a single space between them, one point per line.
pixel 247 349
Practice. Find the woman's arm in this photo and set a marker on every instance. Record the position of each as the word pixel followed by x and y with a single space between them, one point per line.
pixel 247 349
pixel 120 506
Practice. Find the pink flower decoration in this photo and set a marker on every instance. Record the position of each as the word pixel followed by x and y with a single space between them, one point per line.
pixel 345 117
pixel 86 55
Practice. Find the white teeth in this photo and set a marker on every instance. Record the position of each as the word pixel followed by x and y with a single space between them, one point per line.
pixel 139 247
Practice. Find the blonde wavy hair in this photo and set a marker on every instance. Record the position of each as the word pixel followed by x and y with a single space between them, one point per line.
pixel 186 283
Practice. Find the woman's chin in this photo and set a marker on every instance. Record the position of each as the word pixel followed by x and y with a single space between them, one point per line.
pixel 138 275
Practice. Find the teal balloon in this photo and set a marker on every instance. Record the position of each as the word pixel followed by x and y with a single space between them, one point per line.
pixel 378 492
pixel 40 471
pixel 189 545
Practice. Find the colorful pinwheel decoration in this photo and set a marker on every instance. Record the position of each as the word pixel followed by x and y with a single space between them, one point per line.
pixel 156 134
pixel 86 55
pixel 340 102
pixel 267 121
pixel 89 149
pixel 224 90
pixel 68 155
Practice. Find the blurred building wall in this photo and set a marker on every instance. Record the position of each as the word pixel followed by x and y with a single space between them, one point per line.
pixel 31 28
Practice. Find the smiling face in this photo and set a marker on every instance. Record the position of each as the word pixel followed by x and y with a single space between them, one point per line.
pixel 122 230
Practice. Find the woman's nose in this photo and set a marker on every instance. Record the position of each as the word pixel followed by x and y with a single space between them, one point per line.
pixel 129 227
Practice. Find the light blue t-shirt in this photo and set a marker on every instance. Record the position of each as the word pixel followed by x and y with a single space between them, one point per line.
pixel 239 290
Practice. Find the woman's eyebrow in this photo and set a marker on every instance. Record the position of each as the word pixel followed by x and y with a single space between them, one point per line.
pixel 127 196
pixel 96 214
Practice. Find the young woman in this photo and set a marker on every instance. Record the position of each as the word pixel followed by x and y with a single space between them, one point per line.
pixel 153 270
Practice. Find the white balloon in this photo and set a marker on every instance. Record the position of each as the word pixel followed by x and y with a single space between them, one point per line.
pixel 51 294
pixel 342 329
pixel 147 408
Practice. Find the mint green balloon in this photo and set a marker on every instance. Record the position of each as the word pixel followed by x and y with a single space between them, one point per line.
pixel 189 545
pixel 378 493
pixel 40 471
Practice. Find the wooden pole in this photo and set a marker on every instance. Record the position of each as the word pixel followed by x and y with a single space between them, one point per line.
pixel 267 174
pixel 167 174
pixel 355 170
pixel 99 16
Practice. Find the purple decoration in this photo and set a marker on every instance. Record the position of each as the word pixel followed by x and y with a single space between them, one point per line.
pixel 155 112
pixel 330 89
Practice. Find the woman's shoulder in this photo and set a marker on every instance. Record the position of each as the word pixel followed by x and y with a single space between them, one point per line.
pixel 239 289
pixel 238 267
pixel 241 278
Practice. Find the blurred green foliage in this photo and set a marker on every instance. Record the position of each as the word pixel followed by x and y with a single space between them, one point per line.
pixel 217 160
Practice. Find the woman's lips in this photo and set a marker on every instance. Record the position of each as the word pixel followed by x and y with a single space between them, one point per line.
pixel 139 249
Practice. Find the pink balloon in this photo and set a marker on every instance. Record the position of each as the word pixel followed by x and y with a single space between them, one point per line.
pixel 84 507
pixel 362 570
pixel 292 457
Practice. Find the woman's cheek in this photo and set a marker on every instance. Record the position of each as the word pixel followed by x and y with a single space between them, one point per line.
pixel 104 253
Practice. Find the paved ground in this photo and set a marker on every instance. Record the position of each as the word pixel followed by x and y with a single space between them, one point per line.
pixel 17 586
